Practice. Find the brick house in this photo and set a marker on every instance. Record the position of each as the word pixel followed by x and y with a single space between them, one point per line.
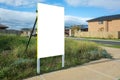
pixel 105 24
pixel 27 32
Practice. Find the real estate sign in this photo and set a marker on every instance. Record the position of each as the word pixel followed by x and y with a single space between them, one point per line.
pixel 50 30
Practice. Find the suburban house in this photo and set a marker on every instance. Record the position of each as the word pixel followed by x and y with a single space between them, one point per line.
pixel 69 29
pixel 3 27
pixel 84 27
pixel 5 31
pixel 105 23
pixel 102 27
pixel 27 32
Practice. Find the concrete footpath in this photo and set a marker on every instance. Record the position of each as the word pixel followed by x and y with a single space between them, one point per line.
pixel 104 69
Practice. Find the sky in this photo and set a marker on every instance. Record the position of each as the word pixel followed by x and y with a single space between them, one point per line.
pixel 19 14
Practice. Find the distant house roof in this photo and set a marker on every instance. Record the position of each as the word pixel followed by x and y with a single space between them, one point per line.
pixel 104 18
pixel 26 29
pixel 66 27
pixel 3 26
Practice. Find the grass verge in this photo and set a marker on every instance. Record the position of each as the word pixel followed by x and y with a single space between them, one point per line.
pixel 112 39
pixel 108 45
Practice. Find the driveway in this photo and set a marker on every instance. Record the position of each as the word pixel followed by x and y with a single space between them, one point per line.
pixel 104 69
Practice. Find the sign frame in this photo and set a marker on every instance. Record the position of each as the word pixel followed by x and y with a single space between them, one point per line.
pixel 56 16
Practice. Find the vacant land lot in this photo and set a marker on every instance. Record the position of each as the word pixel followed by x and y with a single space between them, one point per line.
pixel 17 65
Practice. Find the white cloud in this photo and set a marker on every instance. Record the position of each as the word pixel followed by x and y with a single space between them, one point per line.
pixel 16 19
pixel 77 2
pixel 109 4
pixel 41 0
pixel 17 3
pixel 73 20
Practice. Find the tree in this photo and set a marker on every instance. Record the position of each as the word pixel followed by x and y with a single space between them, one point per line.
pixel 74 29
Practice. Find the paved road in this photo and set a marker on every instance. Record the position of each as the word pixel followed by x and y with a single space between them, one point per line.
pixel 111 42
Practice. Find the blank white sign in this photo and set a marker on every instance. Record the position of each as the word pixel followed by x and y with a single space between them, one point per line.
pixel 50 31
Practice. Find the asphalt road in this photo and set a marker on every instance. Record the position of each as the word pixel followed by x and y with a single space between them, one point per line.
pixel 110 42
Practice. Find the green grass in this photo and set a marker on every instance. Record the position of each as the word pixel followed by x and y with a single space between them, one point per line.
pixel 108 45
pixel 115 39
pixel 76 53
pixel 14 63
pixel 17 65
pixel 84 50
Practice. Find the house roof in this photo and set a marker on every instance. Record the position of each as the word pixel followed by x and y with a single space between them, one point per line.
pixel 105 18
pixel 3 26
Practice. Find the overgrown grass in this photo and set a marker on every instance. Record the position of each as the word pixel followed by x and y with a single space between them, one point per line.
pixel 14 63
pixel 76 53
pixel 17 65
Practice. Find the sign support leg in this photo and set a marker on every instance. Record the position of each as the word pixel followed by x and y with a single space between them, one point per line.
pixel 63 60
pixel 38 66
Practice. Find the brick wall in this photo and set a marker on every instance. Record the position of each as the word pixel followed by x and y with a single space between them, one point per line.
pixel 98 34
pixel 114 25
pixel 95 26
pixel 108 26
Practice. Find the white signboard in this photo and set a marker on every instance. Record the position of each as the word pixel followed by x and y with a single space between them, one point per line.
pixel 50 31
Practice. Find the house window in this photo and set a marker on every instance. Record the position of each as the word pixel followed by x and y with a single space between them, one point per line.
pixel 100 22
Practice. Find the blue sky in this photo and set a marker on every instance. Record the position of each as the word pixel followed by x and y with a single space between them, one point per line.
pixel 19 14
